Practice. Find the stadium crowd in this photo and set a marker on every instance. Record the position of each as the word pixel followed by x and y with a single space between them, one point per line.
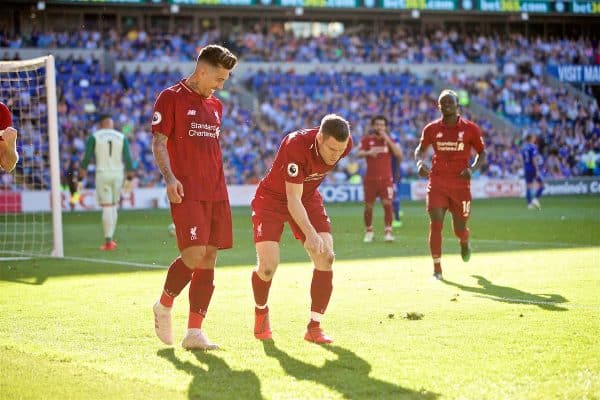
pixel 568 132
pixel 258 43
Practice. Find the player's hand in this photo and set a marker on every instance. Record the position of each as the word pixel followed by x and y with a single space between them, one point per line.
pixel 372 153
pixel 466 173
pixel 9 135
pixel 127 186
pixel 422 170
pixel 175 191
pixel 314 244
pixel 79 188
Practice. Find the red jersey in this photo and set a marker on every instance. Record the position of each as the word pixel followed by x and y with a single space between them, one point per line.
pixel 5 118
pixel 379 167
pixel 452 149
pixel 297 161
pixel 192 123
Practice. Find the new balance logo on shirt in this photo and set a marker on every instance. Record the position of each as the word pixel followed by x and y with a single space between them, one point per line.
pixel 191 112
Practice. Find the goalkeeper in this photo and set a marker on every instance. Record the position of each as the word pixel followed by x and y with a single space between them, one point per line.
pixel 111 150
pixel 8 140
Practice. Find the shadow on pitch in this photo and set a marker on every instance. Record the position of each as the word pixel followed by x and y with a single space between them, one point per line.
pixel 508 294
pixel 348 375
pixel 214 379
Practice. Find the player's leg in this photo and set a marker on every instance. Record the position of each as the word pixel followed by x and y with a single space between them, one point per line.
pixel 397 222
pixel 117 185
pixel 267 257
pixel 201 290
pixel 538 193
pixel 268 227
pixel 370 193
pixel 437 204
pixel 105 197
pixel 320 290
pixel 460 207
pixel 213 231
pixel 529 178
pixel 387 194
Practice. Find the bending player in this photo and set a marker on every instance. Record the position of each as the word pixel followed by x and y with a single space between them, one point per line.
pixel 8 140
pixel 289 194
pixel 449 188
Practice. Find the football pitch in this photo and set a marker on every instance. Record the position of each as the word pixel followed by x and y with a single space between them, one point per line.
pixel 520 320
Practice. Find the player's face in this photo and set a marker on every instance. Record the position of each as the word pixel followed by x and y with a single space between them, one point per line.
pixel 448 105
pixel 330 149
pixel 213 78
pixel 379 126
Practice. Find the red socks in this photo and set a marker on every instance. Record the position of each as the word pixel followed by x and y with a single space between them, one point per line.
pixel 201 290
pixel 177 278
pixel 435 239
pixel 388 215
pixel 320 290
pixel 261 292
pixel 463 236
pixel 368 216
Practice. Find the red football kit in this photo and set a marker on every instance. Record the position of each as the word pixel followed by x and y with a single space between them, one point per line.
pixel 5 118
pixel 297 161
pixel 452 151
pixel 378 179
pixel 192 124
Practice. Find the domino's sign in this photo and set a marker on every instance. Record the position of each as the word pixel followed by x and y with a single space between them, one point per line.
pixel 587 74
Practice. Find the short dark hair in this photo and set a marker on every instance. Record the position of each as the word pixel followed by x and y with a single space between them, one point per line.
pixel 217 56
pixel 103 116
pixel 336 126
pixel 379 117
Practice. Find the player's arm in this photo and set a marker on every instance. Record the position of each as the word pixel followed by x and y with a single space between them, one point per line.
pixel 130 166
pixel 422 169
pixel 161 156
pixel 393 146
pixel 480 158
pixel 8 149
pixel 477 163
pixel 364 150
pixel 293 192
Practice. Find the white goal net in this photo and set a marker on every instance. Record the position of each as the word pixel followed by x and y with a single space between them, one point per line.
pixel 30 203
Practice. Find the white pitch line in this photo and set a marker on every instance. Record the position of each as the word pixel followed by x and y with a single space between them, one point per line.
pixel 549 244
pixel 101 261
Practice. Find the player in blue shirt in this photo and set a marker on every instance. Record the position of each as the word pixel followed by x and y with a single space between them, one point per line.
pixel 396 176
pixel 530 155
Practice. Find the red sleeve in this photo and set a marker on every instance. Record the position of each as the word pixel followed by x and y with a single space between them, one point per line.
pixel 425 141
pixel 364 144
pixel 5 117
pixel 164 114
pixel 477 138
pixel 294 157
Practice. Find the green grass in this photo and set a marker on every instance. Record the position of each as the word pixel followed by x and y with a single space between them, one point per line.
pixel 521 320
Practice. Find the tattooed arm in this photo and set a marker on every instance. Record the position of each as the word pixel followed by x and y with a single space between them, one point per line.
pixel 161 156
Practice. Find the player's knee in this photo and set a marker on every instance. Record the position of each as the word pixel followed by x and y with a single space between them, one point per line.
pixel 194 258
pixel 267 267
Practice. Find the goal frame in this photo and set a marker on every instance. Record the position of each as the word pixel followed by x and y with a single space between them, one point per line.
pixel 53 143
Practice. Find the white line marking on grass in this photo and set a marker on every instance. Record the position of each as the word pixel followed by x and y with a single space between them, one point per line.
pixel 101 261
pixel 14 258
pixel 549 244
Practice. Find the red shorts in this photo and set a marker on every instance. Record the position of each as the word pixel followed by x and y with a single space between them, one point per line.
pixel 269 216
pixel 202 223
pixel 455 199
pixel 383 189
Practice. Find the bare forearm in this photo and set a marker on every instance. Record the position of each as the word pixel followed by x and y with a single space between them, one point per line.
pixel 161 156
pixel 298 213
pixel 394 147
pixel 479 160
pixel 8 156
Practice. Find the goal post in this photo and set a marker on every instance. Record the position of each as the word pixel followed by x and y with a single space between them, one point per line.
pixel 30 195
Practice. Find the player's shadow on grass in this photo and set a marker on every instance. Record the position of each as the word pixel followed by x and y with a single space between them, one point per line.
pixel 508 294
pixel 348 375
pixel 219 381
